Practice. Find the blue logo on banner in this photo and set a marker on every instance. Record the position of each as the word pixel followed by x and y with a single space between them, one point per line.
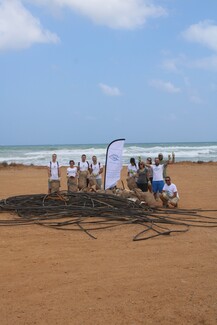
pixel 114 157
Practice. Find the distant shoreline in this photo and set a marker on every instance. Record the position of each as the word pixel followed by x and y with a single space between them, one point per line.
pixel 40 155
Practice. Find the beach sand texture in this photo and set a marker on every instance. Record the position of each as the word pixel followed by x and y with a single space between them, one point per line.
pixel 63 277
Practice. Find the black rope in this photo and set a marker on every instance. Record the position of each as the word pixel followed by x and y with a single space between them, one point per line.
pixel 89 212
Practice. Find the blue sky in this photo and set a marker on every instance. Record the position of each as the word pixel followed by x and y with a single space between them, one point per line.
pixel 90 71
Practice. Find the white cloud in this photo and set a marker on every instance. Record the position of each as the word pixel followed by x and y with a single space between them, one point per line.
pixel 194 96
pixel 195 99
pixel 19 29
pixel 208 63
pixel 126 14
pixel 205 33
pixel 170 65
pixel 110 91
pixel 177 64
pixel 165 86
pixel 173 64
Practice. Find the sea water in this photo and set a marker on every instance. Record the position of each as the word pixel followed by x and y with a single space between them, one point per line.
pixel 40 155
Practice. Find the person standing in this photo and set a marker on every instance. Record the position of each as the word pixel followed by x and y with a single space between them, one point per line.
pixel 132 168
pixel 142 177
pixel 132 174
pixel 83 172
pixel 96 170
pixel 169 161
pixel 169 195
pixel 72 177
pixel 54 175
pixel 150 171
pixel 158 180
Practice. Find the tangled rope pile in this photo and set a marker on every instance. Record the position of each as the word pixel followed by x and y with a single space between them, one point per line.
pixel 90 212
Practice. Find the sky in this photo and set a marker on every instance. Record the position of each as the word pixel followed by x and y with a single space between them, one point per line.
pixel 91 71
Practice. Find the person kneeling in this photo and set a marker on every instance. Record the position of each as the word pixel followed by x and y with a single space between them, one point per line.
pixel 169 195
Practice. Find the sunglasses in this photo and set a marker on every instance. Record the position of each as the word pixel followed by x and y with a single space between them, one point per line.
pixel 167 180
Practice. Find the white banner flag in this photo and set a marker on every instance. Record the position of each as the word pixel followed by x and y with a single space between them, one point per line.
pixel 113 163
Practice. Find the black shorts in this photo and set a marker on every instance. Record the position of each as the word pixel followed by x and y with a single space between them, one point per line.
pixel 143 186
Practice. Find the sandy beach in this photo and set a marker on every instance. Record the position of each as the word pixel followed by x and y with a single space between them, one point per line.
pixel 63 277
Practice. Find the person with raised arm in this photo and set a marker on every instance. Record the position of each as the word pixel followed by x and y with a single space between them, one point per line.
pixel 158 180
pixel 162 161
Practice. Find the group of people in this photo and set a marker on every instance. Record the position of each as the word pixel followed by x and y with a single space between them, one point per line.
pixel 147 176
pixel 153 177
pixel 78 177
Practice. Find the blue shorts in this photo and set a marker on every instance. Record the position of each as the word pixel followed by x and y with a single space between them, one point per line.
pixel 157 186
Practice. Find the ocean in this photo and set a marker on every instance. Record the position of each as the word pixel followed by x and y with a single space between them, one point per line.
pixel 40 155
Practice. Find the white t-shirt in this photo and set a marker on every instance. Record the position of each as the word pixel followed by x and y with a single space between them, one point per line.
pixel 170 189
pixel 54 167
pixel 157 172
pixel 84 166
pixel 72 172
pixel 96 169
pixel 132 170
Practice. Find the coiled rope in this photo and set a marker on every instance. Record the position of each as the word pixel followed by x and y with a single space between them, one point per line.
pixel 89 212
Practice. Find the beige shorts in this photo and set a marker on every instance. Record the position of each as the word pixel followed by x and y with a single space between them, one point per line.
pixel 54 185
pixel 72 184
pixel 173 200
